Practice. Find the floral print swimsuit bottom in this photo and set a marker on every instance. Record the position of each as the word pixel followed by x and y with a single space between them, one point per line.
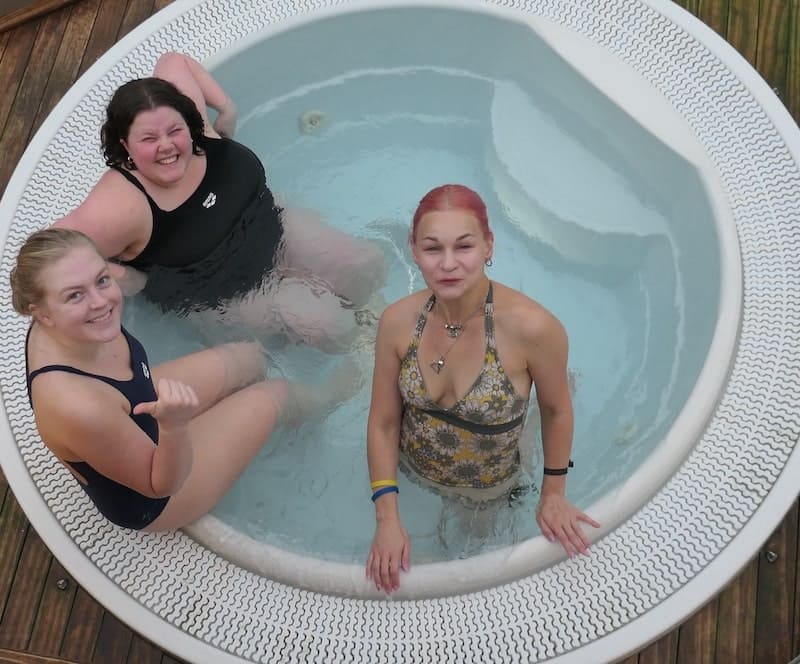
pixel 474 445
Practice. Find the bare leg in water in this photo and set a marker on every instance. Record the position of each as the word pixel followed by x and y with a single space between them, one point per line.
pixel 238 413
pixel 354 268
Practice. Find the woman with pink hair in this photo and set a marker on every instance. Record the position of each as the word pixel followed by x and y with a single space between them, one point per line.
pixel 454 368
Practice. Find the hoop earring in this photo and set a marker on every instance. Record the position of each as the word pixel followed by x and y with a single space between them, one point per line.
pixel 130 163
pixel 488 262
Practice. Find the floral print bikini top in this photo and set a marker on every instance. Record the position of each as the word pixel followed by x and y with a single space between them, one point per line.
pixel 475 443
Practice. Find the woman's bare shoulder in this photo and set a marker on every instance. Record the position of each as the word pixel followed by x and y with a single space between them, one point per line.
pixel 71 409
pixel 399 318
pixel 115 214
pixel 65 393
pixel 69 396
pixel 406 308
pixel 524 316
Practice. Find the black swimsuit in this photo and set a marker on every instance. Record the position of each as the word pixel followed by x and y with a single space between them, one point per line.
pixel 117 502
pixel 220 242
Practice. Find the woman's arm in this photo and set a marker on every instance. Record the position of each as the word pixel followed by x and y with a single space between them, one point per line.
pixel 390 551
pixel 93 425
pixel 547 365
pixel 115 215
pixel 193 80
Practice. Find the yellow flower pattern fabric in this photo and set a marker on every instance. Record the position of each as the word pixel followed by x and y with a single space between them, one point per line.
pixel 475 443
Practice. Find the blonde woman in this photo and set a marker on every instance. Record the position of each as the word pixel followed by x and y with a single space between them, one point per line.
pixel 154 447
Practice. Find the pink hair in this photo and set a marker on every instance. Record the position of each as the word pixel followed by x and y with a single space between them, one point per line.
pixel 451 197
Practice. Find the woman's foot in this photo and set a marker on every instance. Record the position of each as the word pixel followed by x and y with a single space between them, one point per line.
pixel 305 402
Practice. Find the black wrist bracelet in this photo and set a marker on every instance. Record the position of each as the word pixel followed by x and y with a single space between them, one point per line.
pixel 558 471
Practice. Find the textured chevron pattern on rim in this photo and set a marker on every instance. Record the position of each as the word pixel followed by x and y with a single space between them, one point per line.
pixel 633 569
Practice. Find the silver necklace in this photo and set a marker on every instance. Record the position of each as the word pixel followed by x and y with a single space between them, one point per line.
pixel 454 331
pixel 438 364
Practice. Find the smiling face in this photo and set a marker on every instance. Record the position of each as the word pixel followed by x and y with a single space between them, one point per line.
pixel 451 250
pixel 160 145
pixel 80 299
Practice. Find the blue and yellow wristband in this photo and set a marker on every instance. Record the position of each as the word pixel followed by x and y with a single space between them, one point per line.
pixel 382 487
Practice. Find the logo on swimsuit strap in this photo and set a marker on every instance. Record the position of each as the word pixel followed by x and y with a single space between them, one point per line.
pixel 210 200
pixel 145 370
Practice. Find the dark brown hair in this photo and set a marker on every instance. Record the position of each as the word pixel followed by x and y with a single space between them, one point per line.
pixel 144 94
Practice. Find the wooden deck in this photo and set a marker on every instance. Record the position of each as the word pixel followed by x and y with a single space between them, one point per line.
pixel 46 618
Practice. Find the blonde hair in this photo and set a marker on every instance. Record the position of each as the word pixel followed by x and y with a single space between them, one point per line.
pixel 41 249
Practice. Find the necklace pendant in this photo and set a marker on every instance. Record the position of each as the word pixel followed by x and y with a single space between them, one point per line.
pixel 438 365
pixel 453 330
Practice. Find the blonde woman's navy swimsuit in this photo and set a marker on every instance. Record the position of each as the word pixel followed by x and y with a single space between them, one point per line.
pixel 117 502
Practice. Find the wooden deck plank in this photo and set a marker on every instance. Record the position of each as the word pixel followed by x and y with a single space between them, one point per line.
pixel 53 616
pixel 5 493
pixel 773 43
pixel 737 617
pixel 82 629
pixel 158 5
pixel 168 659
pixel 714 13
pixel 26 592
pixel 29 11
pixel 113 641
pixel 104 31
pixel 79 24
pixel 792 98
pixel 143 652
pixel 698 635
pixel 13 528
pixel 17 657
pixel 3 488
pixel 29 95
pixel 775 604
pixel 743 28
pixel 4 37
pixel 663 651
pixel 796 630
pixel 12 66
pixel 136 12
pixel 689 5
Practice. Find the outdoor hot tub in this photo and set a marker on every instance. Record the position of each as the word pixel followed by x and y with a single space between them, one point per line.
pixel 642 183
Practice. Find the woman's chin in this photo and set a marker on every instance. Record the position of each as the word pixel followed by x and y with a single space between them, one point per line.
pixel 104 330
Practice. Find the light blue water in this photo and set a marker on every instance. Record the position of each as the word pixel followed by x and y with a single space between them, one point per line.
pixel 555 161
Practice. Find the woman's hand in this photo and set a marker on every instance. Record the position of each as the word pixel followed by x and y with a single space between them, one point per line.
pixel 560 520
pixel 130 280
pixel 225 124
pixel 177 403
pixel 390 553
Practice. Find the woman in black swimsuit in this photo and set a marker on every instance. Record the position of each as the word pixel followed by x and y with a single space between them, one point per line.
pixel 154 447
pixel 189 208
